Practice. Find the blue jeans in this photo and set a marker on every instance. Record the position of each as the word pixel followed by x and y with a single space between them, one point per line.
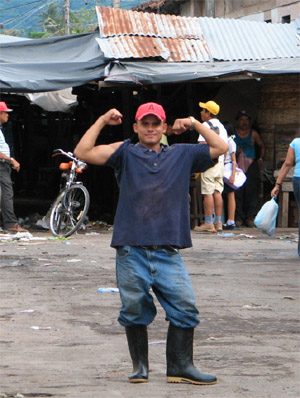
pixel 296 186
pixel 139 269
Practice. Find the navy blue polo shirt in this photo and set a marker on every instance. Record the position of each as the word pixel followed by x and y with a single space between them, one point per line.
pixel 153 207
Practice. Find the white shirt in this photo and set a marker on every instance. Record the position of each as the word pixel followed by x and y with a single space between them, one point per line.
pixel 232 149
pixel 4 148
pixel 223 133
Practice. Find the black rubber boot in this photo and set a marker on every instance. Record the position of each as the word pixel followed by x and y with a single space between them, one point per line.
pixel 180 367
pixel 137 338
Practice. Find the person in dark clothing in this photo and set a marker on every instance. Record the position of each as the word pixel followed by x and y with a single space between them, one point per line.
pixel 151 226
pixel 9 220
pixel 248 195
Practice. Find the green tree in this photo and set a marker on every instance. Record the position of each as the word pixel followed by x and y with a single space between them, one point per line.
pixel 52 20
pixel 82 21
pixel 12 32
pixel 38 35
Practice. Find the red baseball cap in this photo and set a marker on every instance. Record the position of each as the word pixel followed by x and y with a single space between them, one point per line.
pixel 4 108
pixel 150 108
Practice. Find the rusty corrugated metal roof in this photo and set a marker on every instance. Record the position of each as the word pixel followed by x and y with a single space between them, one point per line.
pixel 132 34
pixel 126 34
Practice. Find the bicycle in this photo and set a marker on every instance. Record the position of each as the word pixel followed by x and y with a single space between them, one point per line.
pixel 70 208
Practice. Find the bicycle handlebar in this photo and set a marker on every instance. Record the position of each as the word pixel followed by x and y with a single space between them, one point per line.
pixel 80 163
pixel 61 152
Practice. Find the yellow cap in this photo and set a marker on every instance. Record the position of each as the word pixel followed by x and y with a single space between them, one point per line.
pixel 211 106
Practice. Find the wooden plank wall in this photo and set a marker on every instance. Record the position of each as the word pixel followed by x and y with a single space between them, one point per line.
pixel 278 116
pixel 279 123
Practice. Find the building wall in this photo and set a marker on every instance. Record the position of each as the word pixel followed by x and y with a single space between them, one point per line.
pixel 278 115
pixel 279 123
pixel 192 8
pixel 258 10
pixel 255 10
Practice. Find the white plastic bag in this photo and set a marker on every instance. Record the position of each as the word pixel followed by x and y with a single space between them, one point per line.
pixel 265 219
pixel 239 179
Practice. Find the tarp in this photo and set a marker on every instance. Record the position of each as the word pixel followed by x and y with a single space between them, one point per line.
pixel 50 64
pixel 54 101
pixel 11 39
pixel 143 73
pixel 57 63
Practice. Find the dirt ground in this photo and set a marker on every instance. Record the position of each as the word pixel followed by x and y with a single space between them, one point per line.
pixel 59 337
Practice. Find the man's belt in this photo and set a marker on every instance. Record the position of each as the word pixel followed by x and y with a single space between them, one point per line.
pixel 5 161
pixel 166 247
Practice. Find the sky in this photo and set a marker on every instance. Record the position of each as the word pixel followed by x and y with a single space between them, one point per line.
pixel 24 14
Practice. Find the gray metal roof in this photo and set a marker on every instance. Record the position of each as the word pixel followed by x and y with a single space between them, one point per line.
pixel 126 34
pixel 240 40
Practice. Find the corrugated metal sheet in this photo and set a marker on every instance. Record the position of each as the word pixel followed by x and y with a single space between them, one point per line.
pixel 130 34
pixel 126 34
pixel 234 39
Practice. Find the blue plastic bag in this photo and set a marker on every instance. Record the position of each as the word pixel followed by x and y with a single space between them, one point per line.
pixel 265 219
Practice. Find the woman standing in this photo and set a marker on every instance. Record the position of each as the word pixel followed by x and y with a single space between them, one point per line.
pixel 292 157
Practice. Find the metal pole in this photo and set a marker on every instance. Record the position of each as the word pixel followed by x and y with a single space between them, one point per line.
pixel 67 16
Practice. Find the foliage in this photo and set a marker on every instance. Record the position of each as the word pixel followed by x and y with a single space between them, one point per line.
pixel 83 20
pixel 52 19
pixel 12 32
pixel 38 35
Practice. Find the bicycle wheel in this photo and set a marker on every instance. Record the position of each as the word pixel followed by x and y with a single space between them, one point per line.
pixel 69 210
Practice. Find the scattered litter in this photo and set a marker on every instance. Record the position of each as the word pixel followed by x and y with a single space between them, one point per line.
pixel 62 238
pixel 226 235
pixel 293 237
pixel 40 328
pixel 108 290
pixel 255 307
pixel 74 260
pixel 16 263
pixel 211 338
pixel 22 236
pixel 66 243
pixel 49 260
pixel 289 298
pixel 25 311
pixel 48 264
pixel 157 342
pixel 248 236
pixel 43 223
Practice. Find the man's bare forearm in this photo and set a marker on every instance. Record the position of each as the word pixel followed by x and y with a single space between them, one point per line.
pixel 86 149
